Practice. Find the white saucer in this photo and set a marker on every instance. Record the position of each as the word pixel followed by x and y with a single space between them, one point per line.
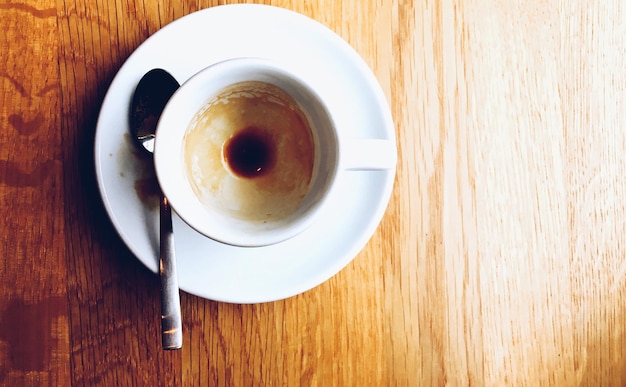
pixel 248 275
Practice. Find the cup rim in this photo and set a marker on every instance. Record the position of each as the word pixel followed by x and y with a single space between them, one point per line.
pixel 169 164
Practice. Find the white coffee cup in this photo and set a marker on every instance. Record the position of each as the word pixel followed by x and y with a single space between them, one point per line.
pixel 214 212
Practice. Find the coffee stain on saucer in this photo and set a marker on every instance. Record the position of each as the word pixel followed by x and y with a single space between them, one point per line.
pixel 146 185
pixel 147 191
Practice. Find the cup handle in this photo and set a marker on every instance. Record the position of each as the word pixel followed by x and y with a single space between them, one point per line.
pixel 369 155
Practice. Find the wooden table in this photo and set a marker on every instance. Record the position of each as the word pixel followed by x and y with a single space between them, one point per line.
pixel 501 259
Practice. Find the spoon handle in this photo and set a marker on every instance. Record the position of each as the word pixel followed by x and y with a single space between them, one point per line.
pixel 171 322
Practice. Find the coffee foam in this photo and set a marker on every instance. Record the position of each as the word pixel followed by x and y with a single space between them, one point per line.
pixel 272 196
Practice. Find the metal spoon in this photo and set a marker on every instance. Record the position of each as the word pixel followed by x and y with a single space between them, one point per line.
pixel 152 93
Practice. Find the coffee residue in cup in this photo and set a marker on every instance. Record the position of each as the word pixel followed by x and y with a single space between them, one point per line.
pixel 249 153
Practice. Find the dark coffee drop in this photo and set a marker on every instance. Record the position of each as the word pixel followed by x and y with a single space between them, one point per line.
pixel 250 153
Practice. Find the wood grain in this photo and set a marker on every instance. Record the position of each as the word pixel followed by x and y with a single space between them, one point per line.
pixel 500 261
pixel 34 335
